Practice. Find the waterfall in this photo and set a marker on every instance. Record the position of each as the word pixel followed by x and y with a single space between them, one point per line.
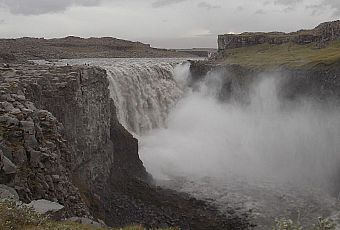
pixel 144 90
pixel 143 94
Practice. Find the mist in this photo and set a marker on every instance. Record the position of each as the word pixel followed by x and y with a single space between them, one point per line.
pixel 267 139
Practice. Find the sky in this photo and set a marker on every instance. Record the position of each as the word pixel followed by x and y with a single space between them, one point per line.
pixel 161 23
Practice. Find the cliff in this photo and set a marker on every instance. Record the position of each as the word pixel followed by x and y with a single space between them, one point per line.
pixel 34 156
pixel 320 83
pixel 61 141
pixel 325 32
pixel 304 49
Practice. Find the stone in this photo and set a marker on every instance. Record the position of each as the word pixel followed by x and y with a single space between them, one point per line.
pixel 9 120
pixel 44 206
pixel 6 106
pixel 8 193
pixel 29 105
pixel 37 156
pixel 8 167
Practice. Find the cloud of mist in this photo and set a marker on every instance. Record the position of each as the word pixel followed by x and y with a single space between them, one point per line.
pixel 264 139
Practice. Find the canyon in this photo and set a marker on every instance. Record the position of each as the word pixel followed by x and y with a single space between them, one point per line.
pixel 224 143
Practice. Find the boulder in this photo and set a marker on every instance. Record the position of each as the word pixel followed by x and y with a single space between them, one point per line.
pixel 8 193
pixel 7 167
pixel 45 206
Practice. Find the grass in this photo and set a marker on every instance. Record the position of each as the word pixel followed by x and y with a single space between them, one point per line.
pixel 268 56
pixel 19 217
pixel 287 224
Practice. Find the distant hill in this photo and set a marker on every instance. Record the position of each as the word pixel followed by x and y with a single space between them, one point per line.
pixel 303 48
pixel 76 47
pixel 328 31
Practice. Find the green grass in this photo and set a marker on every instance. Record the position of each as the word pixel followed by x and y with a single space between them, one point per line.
pixel 267 56
pixel 19 217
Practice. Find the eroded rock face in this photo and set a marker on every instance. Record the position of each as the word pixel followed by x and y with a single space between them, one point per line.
pixel 81 102
pixel 32 150
pixel 36 158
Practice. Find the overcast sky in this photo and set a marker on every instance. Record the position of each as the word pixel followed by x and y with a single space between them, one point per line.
pixel 162 23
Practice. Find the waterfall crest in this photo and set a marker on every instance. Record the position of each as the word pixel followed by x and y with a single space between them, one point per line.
pixel 144 90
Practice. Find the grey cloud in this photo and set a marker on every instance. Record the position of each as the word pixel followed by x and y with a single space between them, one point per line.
pixel 162 3
pixel 240 8
pixel 34 7
pixel 334 4
pixel 260 12
pixel 287 2
pixel 207 6
pixel 325 5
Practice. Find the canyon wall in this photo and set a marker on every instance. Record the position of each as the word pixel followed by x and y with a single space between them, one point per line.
pixel 41 164
pixel 321 82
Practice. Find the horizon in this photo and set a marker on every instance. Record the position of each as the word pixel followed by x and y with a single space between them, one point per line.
pixel 195 23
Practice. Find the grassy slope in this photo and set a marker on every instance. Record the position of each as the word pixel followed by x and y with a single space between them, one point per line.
pixel 18 217
pixel 266 56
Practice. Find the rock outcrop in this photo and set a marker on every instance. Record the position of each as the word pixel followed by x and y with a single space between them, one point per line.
pixel 325 32
pixel 33 152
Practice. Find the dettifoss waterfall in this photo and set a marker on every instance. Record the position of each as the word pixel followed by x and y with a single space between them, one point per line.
pixel 261 157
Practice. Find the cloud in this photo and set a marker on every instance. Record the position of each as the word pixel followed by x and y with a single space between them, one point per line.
pixel 35 7
pixel 324 6
pixel 207 6
pixel 162 3
pixel 287 2
pixel 240 8
pixel 260 12
pixel 334 5
pixel 289 5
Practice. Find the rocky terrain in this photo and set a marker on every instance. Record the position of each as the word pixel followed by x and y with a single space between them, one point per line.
pixel 61 141
pixel 75 47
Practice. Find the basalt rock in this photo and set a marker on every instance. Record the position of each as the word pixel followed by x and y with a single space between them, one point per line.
pixel 32 149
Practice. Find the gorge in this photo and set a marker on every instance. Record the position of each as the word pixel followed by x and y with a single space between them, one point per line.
pixel 215 120
pixel 233 142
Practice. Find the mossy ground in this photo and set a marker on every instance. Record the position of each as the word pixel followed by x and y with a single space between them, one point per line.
pixel 19 217
pixel 267 56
